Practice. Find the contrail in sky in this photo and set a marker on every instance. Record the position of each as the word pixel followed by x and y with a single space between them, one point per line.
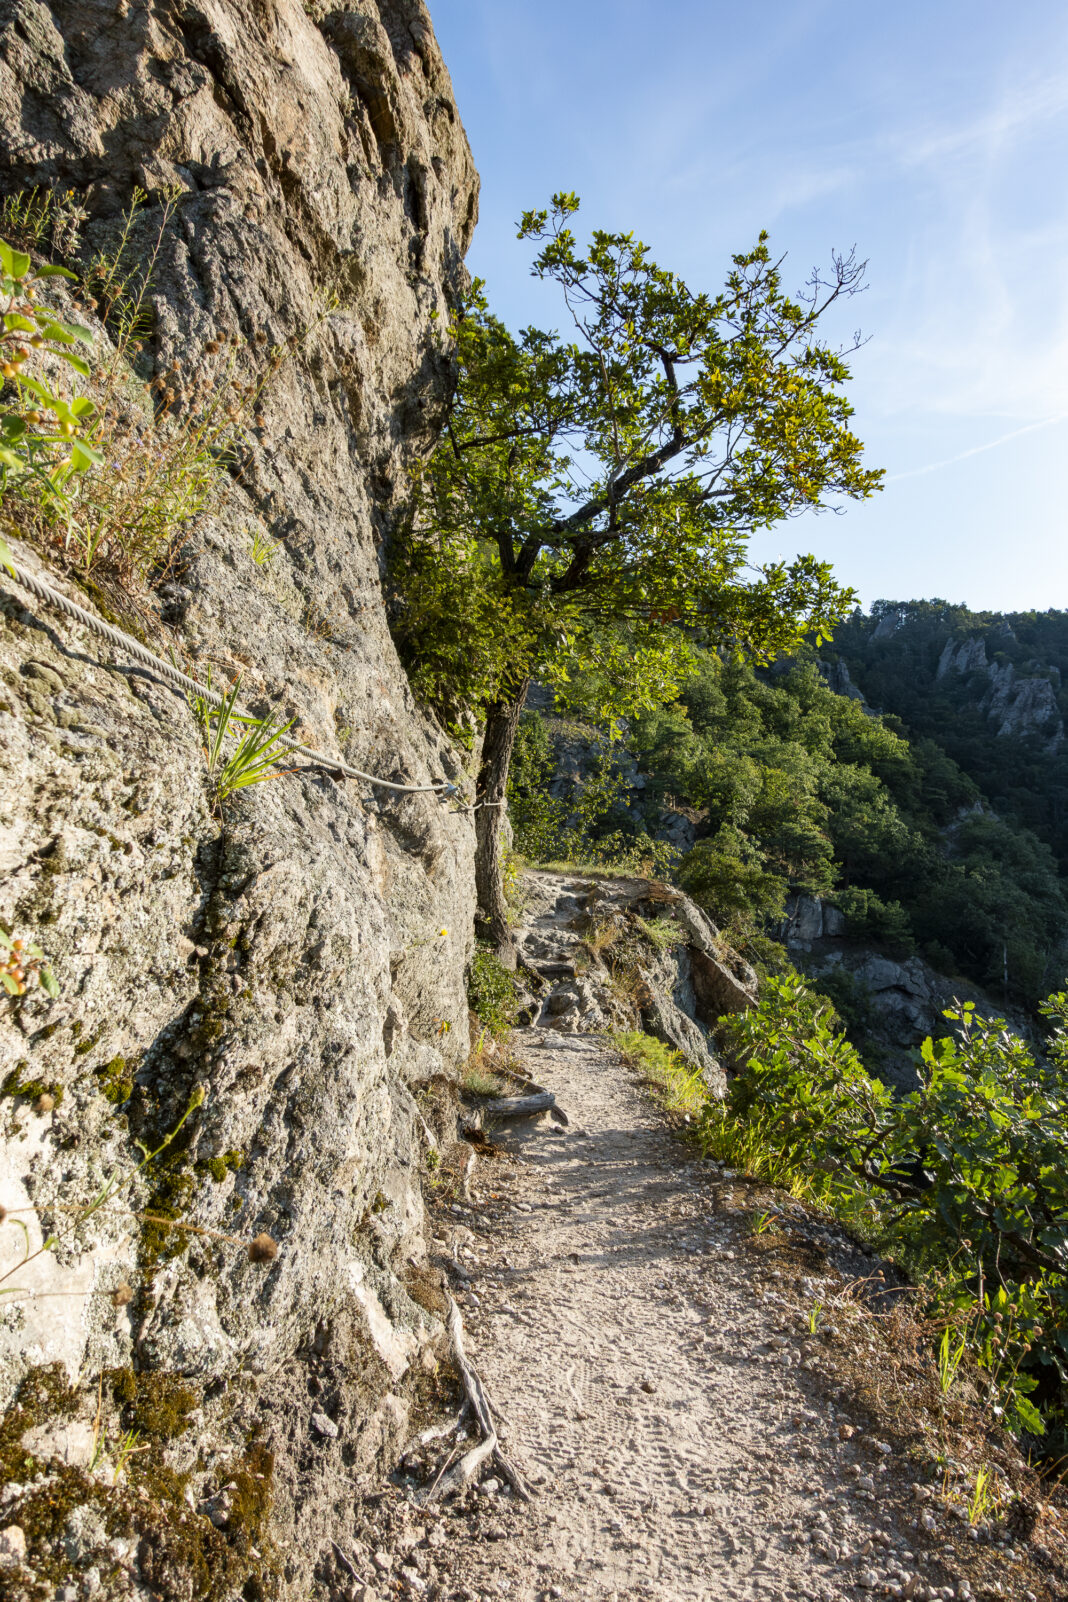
pixel 977 450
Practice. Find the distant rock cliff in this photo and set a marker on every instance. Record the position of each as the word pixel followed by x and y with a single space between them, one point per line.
pixel 300 961
pixel 1020 704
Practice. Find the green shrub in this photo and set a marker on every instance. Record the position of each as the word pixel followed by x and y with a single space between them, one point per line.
pixel 729 879
pixel 852 1000
pixel 491 992
pixel 967 1176
pixel 43 433
pixel 869 917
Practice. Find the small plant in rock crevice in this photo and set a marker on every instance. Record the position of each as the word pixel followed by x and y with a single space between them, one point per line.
pixel 477 1082
pixel 491 993
pixel 260 744
pixel 262 548
pixel 160 454
pixel 44 434
pixel 43 219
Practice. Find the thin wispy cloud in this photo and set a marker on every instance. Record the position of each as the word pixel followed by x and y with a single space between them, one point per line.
pixel 1020 110
pixel 976 450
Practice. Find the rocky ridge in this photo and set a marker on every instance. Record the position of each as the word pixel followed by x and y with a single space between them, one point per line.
pixel 299 959
pixel 602 952
pixel 1020 704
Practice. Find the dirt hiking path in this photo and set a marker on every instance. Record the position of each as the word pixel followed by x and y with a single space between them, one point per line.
pixel 653 1370
pixel 679 1449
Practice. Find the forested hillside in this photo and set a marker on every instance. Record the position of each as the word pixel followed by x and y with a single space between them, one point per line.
pixel 988 687
pixel 788 786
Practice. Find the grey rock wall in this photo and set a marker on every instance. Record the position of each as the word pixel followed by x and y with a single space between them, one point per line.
pixel 300 958
pixel 585 941
pixel 1020 704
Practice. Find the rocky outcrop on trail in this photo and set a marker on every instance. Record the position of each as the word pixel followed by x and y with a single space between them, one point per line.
pixel 601 953
pixel 298 960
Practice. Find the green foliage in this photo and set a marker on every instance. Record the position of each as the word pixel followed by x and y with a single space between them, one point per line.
pixel 593 493
pixel 681 1087
pixel 160 453
pixel 491 992
pixel 538 818
pixel 23 965
pixel 587 824
pixel 869 917
pixel 967 1176
pixel 42 219
pixel 663 934
pixel 254 758
pixel 802 790
pixel 477 1082
pixel 725 874
pixel 44 434
pixel 852 1002
pixel 1025 777
pixel 262 548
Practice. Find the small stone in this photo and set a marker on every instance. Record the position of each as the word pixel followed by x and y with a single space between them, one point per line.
pixel 383 1561
pixel 648 1386
pixel 12 1546
pixel 846 1432
pixel 867 1579
pixel 324 1425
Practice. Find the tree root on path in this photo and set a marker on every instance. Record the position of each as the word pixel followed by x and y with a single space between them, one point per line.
pixel 466 1470
pixel 524 1106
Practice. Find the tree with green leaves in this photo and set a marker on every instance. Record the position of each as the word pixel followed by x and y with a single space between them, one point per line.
pixel 592 498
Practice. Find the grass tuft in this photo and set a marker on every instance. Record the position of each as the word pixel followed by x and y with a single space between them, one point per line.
pixel 680 1086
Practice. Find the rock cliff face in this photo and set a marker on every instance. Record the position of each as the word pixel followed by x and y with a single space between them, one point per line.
pixel 1020 704
pixel 300 958
pixel 893 1003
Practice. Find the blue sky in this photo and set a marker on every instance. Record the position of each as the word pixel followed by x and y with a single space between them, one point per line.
pixel 932 136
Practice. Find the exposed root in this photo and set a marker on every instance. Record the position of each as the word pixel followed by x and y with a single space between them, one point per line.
pixel 467 1469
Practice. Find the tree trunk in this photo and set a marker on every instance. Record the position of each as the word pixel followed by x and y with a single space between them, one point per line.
pixel 502 720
